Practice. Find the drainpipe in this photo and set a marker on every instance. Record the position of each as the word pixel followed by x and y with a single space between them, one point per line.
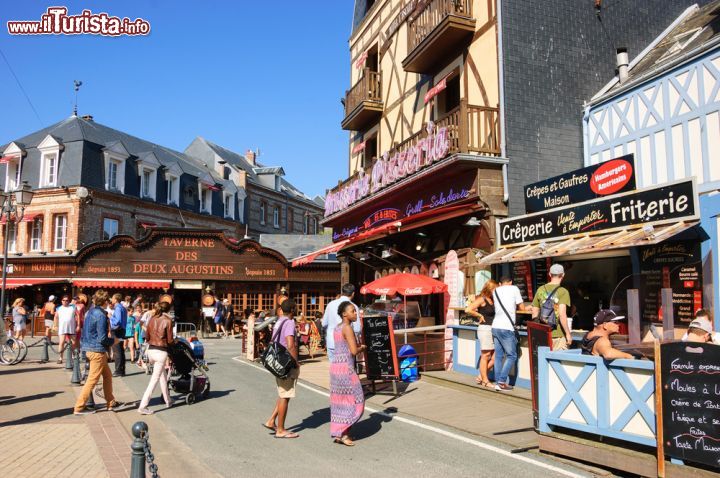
pixel 622 64
pixel 585 135
pixel 501 92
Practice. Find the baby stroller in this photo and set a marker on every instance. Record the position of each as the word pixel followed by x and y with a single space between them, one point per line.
pixel 187 369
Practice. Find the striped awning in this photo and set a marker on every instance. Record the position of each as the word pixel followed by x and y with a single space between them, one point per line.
pixel 634 236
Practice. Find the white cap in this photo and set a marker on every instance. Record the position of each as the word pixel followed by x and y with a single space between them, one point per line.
pixel 557 270
pixel 51 298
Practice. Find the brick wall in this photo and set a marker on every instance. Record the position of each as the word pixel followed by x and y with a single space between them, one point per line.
pixel 258 195
pixel 556 56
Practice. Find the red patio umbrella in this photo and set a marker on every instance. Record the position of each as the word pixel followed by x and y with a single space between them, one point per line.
pixel 406 285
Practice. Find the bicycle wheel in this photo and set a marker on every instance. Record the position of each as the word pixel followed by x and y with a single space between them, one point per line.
pixel 10 352
pixel 23 351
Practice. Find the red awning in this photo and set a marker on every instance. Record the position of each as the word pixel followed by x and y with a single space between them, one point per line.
pixel 147 224
pixel 122 283
pixel 308 258
pixel 215 187
pixel 15 282
pixel 25 218
pixel 7 159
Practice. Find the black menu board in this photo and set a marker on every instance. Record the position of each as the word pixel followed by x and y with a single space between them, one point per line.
pixel 380 355
pixel 675 265
pixel 542 269
pixel 690 380
pixel 522 278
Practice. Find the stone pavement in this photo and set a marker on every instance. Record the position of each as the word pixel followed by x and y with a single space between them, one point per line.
pixel 41 436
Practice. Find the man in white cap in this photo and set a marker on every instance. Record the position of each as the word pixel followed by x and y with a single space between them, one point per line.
pixel 554 294
pixel 597 341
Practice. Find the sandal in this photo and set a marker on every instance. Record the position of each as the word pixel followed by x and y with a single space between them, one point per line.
pixel 482 383
pixel 288 435
pixel 344 440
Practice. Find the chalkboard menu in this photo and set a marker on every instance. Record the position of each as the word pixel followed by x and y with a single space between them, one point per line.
pixel 539 335
pixel 542 269
pixel 675 265
pixel 690 380
pixel 380 355
pixel 522 278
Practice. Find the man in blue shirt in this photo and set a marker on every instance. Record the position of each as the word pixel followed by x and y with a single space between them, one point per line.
pixel 118 322
pixel 93 342
pixel 331 318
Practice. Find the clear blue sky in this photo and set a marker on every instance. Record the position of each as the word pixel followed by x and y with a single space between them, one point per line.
pixel 243 74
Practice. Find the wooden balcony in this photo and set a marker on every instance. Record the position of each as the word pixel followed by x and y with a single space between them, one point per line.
pixel 471 130
pixel 435 34
pixel 363 102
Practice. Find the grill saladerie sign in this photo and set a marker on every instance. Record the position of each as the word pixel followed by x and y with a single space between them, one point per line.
pixel 670 202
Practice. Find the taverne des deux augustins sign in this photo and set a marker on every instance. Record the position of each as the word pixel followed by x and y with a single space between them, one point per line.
pixel 669 202
pixel 610 177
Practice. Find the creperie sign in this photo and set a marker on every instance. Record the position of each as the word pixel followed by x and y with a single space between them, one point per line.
pixel 391 168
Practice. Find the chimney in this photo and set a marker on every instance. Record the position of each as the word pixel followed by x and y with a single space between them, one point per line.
pixel 622 64
pixel 250 156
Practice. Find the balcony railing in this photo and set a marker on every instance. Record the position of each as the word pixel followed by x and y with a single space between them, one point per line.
pixel 436 30
pixel 470 129
pixel 363 101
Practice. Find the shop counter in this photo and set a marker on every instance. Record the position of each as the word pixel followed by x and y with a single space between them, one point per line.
pixel 614 399
pixel 466 353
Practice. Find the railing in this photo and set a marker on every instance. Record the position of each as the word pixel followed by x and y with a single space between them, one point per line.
pixel 432 15
pixel 368 88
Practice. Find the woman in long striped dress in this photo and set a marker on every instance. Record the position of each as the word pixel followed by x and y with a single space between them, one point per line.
pixel 347 401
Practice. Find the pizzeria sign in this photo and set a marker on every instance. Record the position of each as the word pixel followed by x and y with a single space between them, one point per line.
pixel 671 202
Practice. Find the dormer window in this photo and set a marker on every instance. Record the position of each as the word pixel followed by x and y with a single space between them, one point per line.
pixel 148 165
pixel 229 205
pixel 49 162
pixel 115 157
pixel 172 183
pixel 205 196
pixel 12 173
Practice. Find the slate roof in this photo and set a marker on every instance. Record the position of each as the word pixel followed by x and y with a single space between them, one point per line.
pixel 295 245
pixel 239 161
pixel 696 33
pixel 79 129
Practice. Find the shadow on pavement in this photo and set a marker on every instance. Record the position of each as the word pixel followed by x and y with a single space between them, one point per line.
pixel 9 371
pixel 39 396
pixel 316 420
pixel 63 412
pixel 219 393
pixel 372 424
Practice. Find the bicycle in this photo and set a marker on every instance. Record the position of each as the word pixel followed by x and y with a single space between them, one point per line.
pixel 12 350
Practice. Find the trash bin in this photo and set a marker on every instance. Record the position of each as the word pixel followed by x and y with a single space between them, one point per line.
pixel 408 364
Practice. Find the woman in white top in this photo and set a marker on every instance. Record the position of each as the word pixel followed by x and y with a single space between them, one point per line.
pixel 67 325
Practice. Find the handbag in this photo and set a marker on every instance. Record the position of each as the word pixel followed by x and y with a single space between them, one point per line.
pixel 276 357
pixel 515 326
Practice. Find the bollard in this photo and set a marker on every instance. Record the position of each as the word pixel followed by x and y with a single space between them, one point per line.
pixel 75 380
pixel 45 357
pixel 68 357
pixel 137 465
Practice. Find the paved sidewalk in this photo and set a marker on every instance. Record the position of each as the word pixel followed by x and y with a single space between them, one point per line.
pixel 41 436
pixel 480 412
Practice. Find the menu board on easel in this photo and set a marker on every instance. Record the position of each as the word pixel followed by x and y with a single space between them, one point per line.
pixel 689 380
pixel 380 355
pixel 539 335
pixel 541 268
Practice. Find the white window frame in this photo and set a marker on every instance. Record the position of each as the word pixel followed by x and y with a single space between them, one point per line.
pixel 148 164
pixel 306 223
pixel 173 189
pixel 110 235
pixel 262 212
pixel 50 151
pixel 276 217
pixel 36 235
pixel 11 229
pixel 117 154
pixel 205 198
pixel 13 168
pixel 229 205
pixel 60 232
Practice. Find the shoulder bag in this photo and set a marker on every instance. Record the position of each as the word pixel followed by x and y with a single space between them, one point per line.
pixel 276 357
pixel 516 328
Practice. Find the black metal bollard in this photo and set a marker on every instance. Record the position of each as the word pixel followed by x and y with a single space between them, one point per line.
pixel 75 380
pixel 45 357
pixel 68 357
pixel 137 465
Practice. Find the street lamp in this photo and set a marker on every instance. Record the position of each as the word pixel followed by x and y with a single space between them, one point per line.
pixel 13 202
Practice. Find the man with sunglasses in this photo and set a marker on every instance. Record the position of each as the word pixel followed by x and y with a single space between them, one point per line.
pixel 67 325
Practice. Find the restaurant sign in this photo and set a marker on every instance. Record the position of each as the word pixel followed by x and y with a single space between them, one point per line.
pixel 670 202
pixel 391 168
pixel 610 177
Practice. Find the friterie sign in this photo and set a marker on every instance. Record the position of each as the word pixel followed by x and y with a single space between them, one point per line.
pixel 391 168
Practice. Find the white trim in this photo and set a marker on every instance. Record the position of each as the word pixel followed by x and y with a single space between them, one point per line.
pixel 610 84
pixel 229 212
pixel 55 232
pixel 204 197
pixel 172 195
pixel 38 220
pixel 116 153
pixel 47 156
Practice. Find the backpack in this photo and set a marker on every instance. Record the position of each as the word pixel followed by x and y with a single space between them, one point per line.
pixel 547 309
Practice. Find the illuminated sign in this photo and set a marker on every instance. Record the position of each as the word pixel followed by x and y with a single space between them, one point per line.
pixel 391 168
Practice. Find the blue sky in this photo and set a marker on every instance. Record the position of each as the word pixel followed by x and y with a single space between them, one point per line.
pixel 243 74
